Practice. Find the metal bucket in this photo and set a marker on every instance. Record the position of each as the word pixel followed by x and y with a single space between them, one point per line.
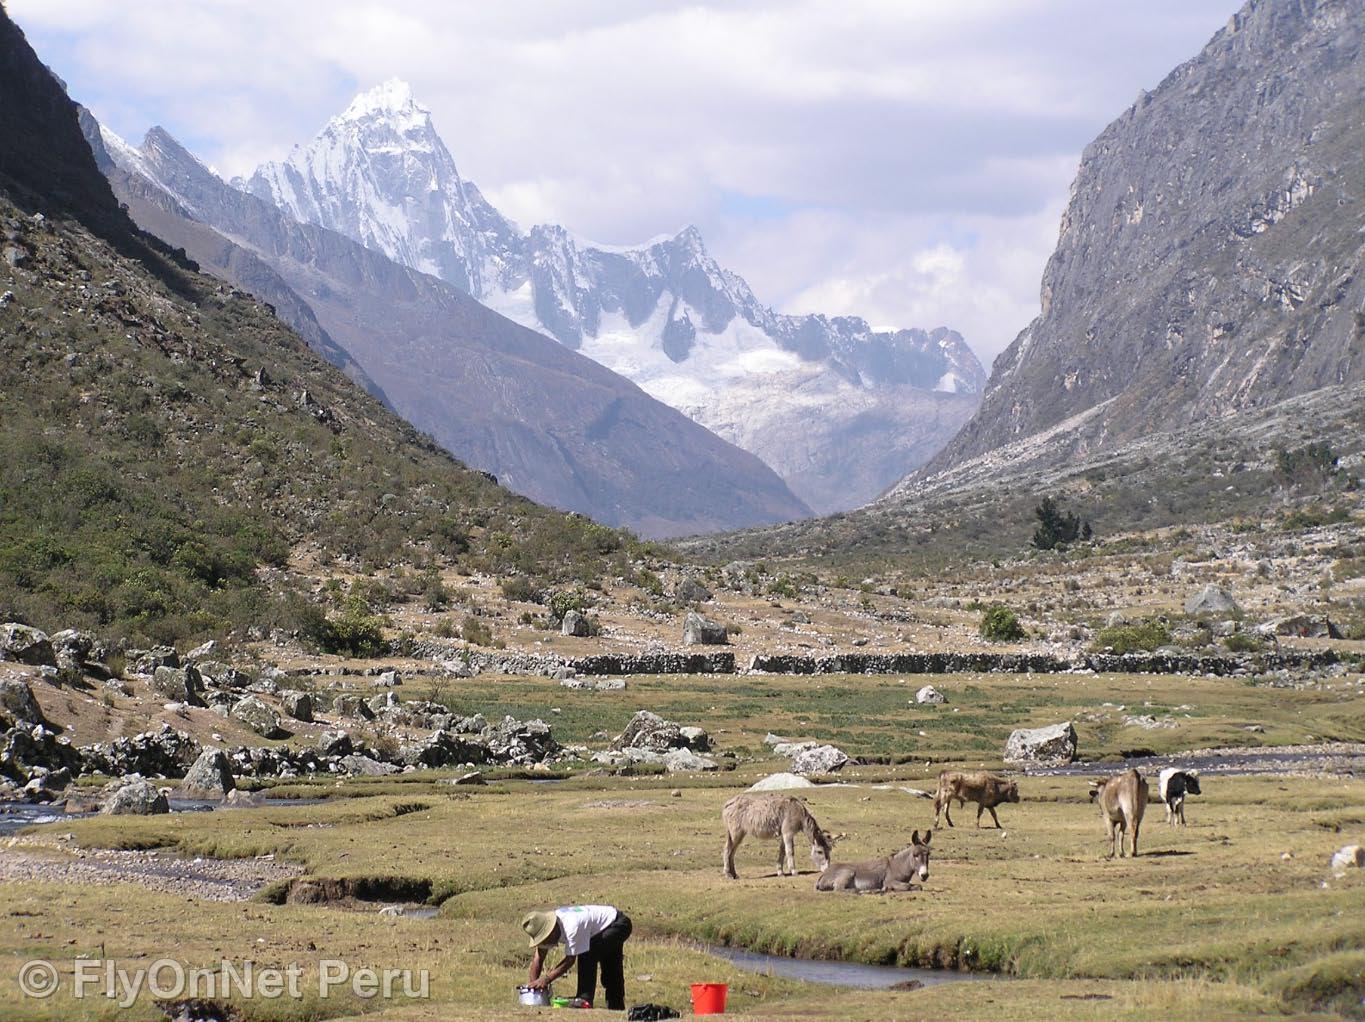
pixel 533 998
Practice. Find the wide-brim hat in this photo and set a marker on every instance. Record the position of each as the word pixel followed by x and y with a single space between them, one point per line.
pixel 539 926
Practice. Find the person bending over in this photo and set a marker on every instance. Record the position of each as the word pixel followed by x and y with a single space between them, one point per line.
pixel 593 936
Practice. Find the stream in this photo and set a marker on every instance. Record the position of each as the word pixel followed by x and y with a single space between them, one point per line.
pixel 14 816
pixel 840 974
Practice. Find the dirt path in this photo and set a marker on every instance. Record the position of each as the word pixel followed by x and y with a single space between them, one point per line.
pixel 208 879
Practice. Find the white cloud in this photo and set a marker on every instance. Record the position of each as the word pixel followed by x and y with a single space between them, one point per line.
pixel 904 160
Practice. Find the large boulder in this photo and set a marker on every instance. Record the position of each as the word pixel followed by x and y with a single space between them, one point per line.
pixel 648 730
pixel 1211 599
pixel 162 752
pixel 181 684
pixel 930 696
pixel 387 679
pixel 210 776
pixel 1042 746
pixel 256 715
pixel 135 798
pixel 29 749
pixel 215 672
pixel 352 706
pixel 823 759
pixel 364 766
pixel 298 705
pixel 781 782
pixel 696 738
pixel 17 704
pixel 702 631
pixel 26 645
pixel 575 624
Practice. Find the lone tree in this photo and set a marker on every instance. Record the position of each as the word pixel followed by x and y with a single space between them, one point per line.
pixel 1057 527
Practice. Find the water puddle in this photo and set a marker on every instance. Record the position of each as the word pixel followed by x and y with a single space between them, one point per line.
pixel 841 974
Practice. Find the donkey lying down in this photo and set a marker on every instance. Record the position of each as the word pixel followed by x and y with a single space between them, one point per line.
pixel 877 876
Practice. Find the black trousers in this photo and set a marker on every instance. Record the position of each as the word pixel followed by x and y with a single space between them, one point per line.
pixel 606 951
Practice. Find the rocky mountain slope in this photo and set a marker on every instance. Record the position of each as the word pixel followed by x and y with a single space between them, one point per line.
pixel 839 409
pixel 1210 261
pixel 170 449
pixel 548 422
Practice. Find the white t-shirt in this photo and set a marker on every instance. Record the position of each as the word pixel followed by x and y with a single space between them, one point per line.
pixel 581 923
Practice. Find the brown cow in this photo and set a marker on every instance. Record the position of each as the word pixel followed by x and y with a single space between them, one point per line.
pixel 1122 800
pixel 986 790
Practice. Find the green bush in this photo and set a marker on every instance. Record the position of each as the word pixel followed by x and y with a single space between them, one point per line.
pixel 476 632
pixel 565 600
pixel 1000 624
pixel 1241 642
pixel 519 589
pixel 1057 527
pixel 353 634
pixel 1143 637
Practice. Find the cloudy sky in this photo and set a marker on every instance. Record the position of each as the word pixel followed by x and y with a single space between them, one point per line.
pixel 903 160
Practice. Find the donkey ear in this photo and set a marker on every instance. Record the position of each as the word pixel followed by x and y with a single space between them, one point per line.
pixel 914 838
pixel 928 836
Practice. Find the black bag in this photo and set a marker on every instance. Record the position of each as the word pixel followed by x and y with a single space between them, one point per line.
pixel 650 1013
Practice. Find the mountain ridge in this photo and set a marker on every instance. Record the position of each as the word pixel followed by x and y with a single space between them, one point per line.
pixel 1179 290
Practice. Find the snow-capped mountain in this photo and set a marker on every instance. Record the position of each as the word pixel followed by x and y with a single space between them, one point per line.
pixel 839 409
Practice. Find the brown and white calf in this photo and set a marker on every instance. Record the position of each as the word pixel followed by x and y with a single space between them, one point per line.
pixel 1122 800
pixel 896 872
pixel 986 790
pixel 769 815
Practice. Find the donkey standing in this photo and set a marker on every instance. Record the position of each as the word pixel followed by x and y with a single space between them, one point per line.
pixel 773 815
pixel 877 876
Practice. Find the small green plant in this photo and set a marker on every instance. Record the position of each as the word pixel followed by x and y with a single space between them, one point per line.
pixel 565 600
pixel 519 589
pixel 1000 624
pixel 649 582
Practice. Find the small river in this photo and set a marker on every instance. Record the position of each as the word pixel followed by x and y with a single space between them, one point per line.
pixel 15 816
pixel 840 974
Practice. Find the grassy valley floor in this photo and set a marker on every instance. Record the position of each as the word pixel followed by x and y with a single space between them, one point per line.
pixel 1237 915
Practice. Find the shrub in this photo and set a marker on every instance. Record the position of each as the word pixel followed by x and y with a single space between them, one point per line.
pixel 476 632
pixel 1000 624
pixel 1057 527
pixel 353 633
pixel 1241 642
pixel 519 589
pixel 565 600
pixel 1143 637
pixel 649 582
pixel 1312 464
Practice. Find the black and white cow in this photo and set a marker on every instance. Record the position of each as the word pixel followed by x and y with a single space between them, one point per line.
pixel 1175 785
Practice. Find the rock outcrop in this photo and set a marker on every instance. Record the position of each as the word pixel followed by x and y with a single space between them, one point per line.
pixel 1053 745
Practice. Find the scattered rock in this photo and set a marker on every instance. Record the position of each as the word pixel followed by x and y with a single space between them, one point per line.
pixel 179 683
pixel 648 730
pixel 823 759
pixel 210 776
pixel 364 766
pixel 686 761
pixel 146 661
pixel 256 715
pixel 930 696
pixel 690 591
pixel 17 704
pixel 202 652
pixel 388 679
pixel 1211 599
pixel 335 743
pixel 298 705
pixel 575 624
pixel 351 706
pixel 1045 746
pixel 26 645
pixel 135 798
pixel 1305 626
pixel 702 631
pixel 696 738
pixel 474 777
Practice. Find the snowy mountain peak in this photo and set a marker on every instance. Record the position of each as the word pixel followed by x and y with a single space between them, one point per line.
pixel 665 314
pixel 388 99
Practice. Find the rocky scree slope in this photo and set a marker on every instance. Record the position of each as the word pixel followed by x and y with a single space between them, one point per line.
pixel 548 422
pixel 839 409
pixel 168 442
pixel 1210 259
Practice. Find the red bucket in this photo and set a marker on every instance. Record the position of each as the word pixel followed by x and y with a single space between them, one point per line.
pixel 709 998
